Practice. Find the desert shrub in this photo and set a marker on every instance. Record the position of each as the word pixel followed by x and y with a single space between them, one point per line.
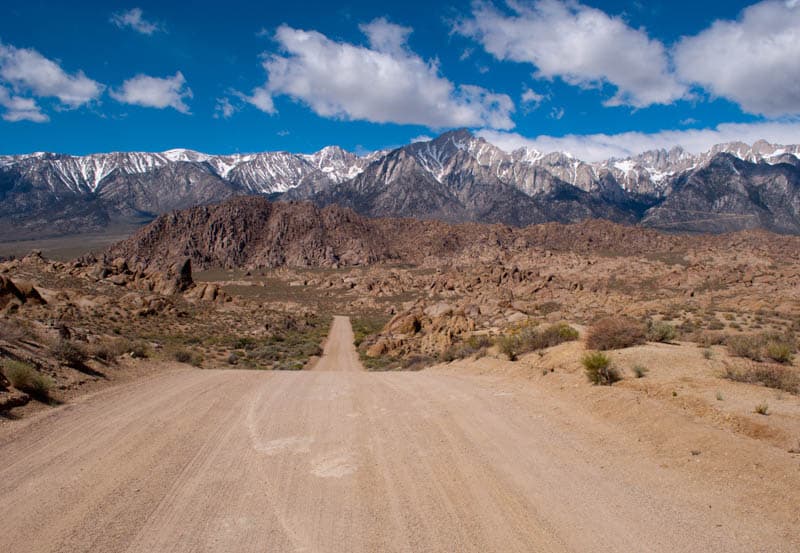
pixel 474 345
pixel 780 352
pixel 615 333
pixel 69 352
pixel 779 377
pixel 105 352
pixel 640 371
pixel 245 343
pixel 509 346
pixel 535 339
pixel 364 327
pixel 137 348
pixel 417 362
pixel 762 409
pixel 659 331
pixel 233 359
pixel 480 341
pixel 289 365
pixel 758 346
pixel 182 356
pixel 26 378
pixel 708 339
pixel 748 346
pixel 598 368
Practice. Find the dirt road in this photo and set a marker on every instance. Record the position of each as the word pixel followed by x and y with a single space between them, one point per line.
pixel 340 460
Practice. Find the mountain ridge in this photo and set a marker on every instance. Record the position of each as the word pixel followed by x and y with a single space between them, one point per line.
pixel 455 177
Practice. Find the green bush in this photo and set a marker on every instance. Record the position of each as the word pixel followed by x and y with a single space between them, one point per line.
pixel 26 378
pixel 615 333
pixel 598 368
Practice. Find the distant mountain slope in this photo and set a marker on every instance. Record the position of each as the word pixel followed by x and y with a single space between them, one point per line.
pixel 455 177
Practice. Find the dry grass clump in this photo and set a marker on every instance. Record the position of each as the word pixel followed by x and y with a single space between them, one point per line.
pixel 69 353
pixel 660 331
pixel 25 377
pixel 615 333
pixel 182 356
pixel 707 339
pixel 771 375
pixel 598 368
pixel 417 362
pixel 756 347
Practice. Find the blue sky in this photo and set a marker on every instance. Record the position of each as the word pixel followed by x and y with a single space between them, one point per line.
pixel 597 78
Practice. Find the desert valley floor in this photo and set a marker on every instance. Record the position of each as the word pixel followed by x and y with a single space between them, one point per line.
pixel 212 385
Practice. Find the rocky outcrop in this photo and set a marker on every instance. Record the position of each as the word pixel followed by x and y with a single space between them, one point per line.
pixel 12 295
pixel 253 232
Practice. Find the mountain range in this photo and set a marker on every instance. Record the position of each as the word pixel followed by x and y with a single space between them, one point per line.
pixel 456 177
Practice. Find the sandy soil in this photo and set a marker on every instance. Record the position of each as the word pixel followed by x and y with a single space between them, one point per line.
pixel 337 459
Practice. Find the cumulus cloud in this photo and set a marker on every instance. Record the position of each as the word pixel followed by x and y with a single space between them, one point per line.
pixel 155 92
pixel 224 108
pixel 752 61
pixel 581 45
pixel 134 19
pixel 598 147
pixel 29 73
pixel 383 83
pixel 261 99
pixel 20 109
pixel 532 99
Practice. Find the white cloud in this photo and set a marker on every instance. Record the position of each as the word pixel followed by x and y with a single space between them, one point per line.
pixel 154 92
pixel 582 45
pixel 27 72
pixel 420 138
pixel 261 98
pixel 134 18
pixel 754 61
pixel 598 147
pixel 384 83
pixel 532 99
pixel 20 109
pixel 224 108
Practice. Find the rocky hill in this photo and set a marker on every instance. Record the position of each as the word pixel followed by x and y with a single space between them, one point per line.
pixel 256 232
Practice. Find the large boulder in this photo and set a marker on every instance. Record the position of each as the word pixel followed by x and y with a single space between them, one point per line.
pixel 10 293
